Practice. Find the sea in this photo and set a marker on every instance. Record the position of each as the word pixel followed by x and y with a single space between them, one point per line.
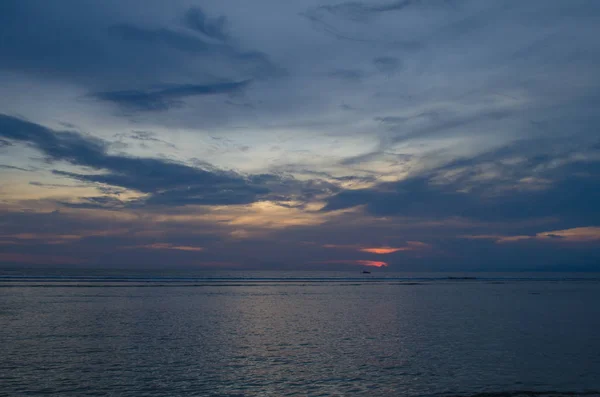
pixel 202 333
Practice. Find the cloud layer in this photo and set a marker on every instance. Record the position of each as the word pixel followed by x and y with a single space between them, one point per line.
pixel 450 134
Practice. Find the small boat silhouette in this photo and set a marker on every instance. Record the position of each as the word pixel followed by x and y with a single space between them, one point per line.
pixel 366 272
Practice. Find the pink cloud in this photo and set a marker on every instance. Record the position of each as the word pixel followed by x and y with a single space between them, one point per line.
pixel 383 250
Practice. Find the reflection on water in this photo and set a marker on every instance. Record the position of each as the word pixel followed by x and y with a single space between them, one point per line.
pixel 305 334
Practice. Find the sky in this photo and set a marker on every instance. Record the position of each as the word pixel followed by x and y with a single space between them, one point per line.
pixel 314 134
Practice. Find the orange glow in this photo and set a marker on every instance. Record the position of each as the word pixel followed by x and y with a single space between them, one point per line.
pixel 383 250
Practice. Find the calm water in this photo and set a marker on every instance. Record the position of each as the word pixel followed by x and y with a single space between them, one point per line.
pixel 304 334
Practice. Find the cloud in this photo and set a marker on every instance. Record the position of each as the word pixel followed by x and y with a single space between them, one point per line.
pixel 574 235
pixel 145 136
pixel 381 250
pixel 220 52
pixel 407 120
pixel 357 262
pixel 167 98
pixel 106 202
pixel 348 21
pixel 387 65
pixel 40 238
pixel 410 246
pixel 578 234
pixel 361 12
pixel 12 167
pixel 439 126
pixel 60 260
pixel 165 182
pixel 371 263
pixel 196 19
pixel 167 246
pixel 140 61
pixel 350 75
pixel 499 185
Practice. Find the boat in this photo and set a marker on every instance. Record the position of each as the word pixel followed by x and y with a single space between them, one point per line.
pixel 366 272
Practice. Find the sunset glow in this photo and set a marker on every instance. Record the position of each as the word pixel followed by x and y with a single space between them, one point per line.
pixel 383 250
pixel 409 246
pixel 308 197
pixel 192 131
pixel 371 263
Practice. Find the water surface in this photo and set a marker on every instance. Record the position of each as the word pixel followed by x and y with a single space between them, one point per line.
pixel 316 334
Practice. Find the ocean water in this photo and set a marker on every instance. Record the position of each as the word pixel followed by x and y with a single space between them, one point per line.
pixel 299 334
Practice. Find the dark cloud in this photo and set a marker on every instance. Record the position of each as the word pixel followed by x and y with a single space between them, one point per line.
pixel 250 63
pixel 49 185
pixel 326 175
pixel 166 98
pixel 439 125
pixel 105 202
pixel 124 58
pixel 535 187
pixel 12 167
pixel 166 182
pixel 394 121
pixel 144 137
pixel 68 146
